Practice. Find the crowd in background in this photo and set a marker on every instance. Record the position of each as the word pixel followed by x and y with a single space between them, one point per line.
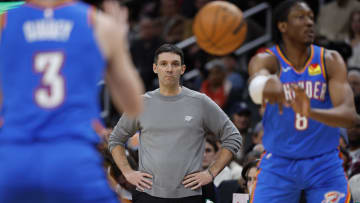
pixel 224 79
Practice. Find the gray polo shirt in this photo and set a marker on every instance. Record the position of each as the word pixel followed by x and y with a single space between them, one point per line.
pixel 172 131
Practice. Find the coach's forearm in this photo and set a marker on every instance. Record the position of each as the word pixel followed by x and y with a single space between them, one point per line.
pixel 225 156
pixel 120 159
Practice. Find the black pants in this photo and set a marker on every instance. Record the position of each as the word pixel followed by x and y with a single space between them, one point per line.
pixel 142 197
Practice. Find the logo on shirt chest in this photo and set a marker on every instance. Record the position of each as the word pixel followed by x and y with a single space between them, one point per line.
pixel 188 118
pixel 314 69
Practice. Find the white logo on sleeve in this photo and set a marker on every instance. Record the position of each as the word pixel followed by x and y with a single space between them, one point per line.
pixel 188 118
pixel 286 69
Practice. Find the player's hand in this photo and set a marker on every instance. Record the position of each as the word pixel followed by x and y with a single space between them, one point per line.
pixel 139 179
pixel 301 103
pixel 196 180
pixel 118 12
pixel 274 93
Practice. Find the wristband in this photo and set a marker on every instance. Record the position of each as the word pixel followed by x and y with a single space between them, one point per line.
pixel 256 88
pixel 212 176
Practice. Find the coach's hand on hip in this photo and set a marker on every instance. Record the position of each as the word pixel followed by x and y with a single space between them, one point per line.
pixel 139 179
pixel 196 180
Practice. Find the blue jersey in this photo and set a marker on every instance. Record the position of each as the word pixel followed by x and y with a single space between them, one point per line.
pixel 290 134
pixel 50 64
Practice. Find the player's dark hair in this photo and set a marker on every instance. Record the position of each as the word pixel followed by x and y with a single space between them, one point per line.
pixel 281 14
pixel 169 48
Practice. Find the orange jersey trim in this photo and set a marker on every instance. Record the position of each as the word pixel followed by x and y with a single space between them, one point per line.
pixel 323 62
pixel 289 63
pixel 253 191
pixel 267 50
pixel 348 195
pixel 257 174
pixel 3 20
pixel 54 5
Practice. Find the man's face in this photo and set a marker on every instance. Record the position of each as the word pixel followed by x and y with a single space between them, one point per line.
pixel 169 69
pixel 209 155
pixel 300 24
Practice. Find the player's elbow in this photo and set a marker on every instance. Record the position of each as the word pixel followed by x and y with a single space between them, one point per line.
pixel 355 121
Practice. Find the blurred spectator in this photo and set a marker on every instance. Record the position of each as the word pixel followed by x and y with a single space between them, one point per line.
pixel 353 38
pixel 251 156
pixel 354 185
pixel 116 179
pixel 249 174
pixel 143 48
pixel 354 148
pixel 354 80
pixel 326 25
pixel 174 28
pixel 169 9
pixel 256 139
pixel 190 8
pixel 242 185
pixel 240 115
pixel 236 79
pixel 216 86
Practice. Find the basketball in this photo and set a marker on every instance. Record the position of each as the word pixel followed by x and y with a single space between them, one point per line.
pixel 219 28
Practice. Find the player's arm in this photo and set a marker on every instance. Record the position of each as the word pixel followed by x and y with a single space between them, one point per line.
pixel 264 84
pixel 343 113
pixel 121 77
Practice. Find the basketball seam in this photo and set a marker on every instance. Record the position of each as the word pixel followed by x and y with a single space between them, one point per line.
pixel 205 35
pixel 224 33
pixel 243 23
pixel 214 24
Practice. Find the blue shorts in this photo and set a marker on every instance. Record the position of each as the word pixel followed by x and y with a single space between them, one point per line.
pixel 322 178
pixel 54 172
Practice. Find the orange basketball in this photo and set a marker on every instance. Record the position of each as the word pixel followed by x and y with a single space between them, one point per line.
pixel 219 27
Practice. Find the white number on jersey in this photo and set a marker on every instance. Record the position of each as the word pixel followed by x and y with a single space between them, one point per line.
pixel 51 92
pixel 301 122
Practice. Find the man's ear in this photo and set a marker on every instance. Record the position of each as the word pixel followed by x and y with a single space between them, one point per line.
pixel 282 26
pixel 183 68
pixel 155 68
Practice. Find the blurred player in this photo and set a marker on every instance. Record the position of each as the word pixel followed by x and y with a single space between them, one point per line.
pixel 52 54
pixel 301 142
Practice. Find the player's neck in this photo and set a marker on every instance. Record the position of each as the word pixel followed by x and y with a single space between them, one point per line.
pixel 170 90
pixel 296 54
pixel 48 3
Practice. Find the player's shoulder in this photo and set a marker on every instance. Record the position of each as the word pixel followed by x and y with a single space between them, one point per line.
pixel 264 59
pixel 332 55
pixel 334 62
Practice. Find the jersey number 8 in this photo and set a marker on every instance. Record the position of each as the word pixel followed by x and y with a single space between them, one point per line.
pixel 301 122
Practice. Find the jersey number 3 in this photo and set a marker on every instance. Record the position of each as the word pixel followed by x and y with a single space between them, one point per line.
pixel 301 122
pixel 51 92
